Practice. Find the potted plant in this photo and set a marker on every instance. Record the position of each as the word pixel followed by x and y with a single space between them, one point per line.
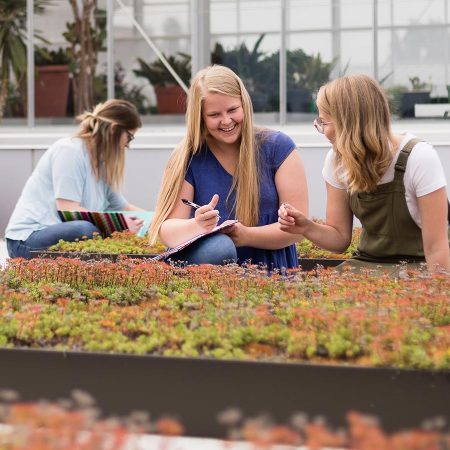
pixel 13 50
pixel 306 73
pixel 51 82
pixel 260 73
pixel 419 93
pixel 86 36
pixel 395 95
pixel 250 66
pixel 122 90
pixel 170 97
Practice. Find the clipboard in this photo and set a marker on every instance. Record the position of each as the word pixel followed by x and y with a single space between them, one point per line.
pixel 171 251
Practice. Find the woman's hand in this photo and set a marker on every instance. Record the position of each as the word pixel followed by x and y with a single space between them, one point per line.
pixel 238 234
pixel 292 220
pixel 134 223
pixel 206 217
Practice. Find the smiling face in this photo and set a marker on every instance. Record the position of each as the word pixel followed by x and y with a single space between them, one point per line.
pixel 223 116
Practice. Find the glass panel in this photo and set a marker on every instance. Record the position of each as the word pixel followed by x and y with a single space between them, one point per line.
pixel 385 12
pixel 166 18
pixel 309 66
pixel 256 60
pixel 356 13
pixel 385 58
pixel 415 55
pixel 309 14
pixel 260 16
pixel 13 79
pixel 224 17
pixel 413 12
pixel 356 52
pixel 67 82
pixel 312 43
pixel 139 76
pixel 252 48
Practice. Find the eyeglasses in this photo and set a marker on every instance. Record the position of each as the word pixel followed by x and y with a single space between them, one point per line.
pixel 130 136
pixel 320 124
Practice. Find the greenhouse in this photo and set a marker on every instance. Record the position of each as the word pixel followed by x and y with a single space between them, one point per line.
pixel 116 338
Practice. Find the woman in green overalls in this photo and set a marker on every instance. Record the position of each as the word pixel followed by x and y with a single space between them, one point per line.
pixel 393 183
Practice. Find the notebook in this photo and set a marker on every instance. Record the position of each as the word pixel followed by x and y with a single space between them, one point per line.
pixel 171 251
pixel 108 221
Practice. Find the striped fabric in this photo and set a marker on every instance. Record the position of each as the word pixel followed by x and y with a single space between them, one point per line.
pixel 106 222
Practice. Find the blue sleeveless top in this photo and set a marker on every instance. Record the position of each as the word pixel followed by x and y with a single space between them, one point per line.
pixel 208 177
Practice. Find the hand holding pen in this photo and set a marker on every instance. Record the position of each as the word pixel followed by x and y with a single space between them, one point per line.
pixel 206 216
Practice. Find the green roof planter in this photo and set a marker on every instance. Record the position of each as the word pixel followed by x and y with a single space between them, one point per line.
pixel 195 390
pixel 166 339
pixel 310 256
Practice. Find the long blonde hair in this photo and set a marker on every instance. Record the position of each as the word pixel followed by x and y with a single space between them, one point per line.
pixel 359 110
pixel 221 80
pixel 102 130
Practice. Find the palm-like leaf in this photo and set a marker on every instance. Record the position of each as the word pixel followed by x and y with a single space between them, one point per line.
pixel 13 49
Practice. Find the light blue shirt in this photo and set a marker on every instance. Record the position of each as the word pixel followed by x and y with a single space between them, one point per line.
pixel 64 171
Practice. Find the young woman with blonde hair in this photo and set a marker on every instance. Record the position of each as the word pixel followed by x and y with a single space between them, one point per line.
pixel 393 183
pixel 233 170
pixel 77 173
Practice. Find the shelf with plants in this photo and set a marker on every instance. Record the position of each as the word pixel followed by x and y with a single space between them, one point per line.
pixel 169 338
pixel 170 97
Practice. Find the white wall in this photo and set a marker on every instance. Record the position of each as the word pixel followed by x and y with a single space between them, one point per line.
pixel 21 148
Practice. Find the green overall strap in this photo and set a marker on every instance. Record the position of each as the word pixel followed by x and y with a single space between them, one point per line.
pixel 402 159
pixel 400 166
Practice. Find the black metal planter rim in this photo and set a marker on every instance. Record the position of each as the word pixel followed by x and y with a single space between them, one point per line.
pixel 195 390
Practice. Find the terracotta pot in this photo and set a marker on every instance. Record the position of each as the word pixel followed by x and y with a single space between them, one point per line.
pixel 171 99
pixel 51 90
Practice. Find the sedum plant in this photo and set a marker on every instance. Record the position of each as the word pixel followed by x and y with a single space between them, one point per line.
pixel 128 243
pixel 306 249
pixel 141 307
pixel 122 242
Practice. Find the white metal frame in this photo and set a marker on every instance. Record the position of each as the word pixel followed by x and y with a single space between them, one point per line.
pixel 201 39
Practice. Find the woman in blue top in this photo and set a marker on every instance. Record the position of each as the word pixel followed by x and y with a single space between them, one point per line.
pixel 234 171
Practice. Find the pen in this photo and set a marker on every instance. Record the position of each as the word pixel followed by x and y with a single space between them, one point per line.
pixel 192 204
pixel 189 203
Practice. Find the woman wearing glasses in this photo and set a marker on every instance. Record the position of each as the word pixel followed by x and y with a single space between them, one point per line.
pixel 393 183
pixel 232 170
pixel 78 173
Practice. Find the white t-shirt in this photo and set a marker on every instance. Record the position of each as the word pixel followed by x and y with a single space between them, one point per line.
pixel 424 173
pixel 64 171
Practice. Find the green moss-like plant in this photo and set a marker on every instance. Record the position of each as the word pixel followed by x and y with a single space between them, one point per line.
pixel 118 243
pixel 306 249
pixel 142 307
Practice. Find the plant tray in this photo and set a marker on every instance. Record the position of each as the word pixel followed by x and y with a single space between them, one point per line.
pixel 84 256
pixel 196 390
pixel 305 263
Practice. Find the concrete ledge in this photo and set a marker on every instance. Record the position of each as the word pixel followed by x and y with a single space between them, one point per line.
pixel 431 109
